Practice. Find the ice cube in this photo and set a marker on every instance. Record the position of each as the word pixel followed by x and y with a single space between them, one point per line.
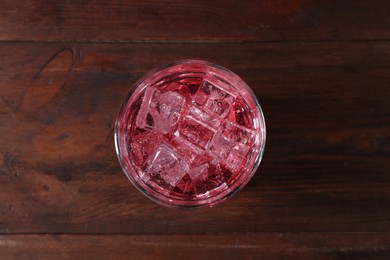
pixel 237 133
pixel 220 147
pixel 184 185
pixel 186 149
pixel 142 116
pixel 160 110
pixel 203 116
pixel 211 182
pixel 237 157
pixel 214 99
pixel 143 144
pixel 199 171
pixel 228 152
pixel 164 167
pixel 178 87
pixel 195 131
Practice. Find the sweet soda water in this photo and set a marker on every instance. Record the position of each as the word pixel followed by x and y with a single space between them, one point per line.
pixel 190 134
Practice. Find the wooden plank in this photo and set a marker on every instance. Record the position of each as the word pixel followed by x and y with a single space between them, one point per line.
pixel 326 164
pixel 270 246
pixel 206 20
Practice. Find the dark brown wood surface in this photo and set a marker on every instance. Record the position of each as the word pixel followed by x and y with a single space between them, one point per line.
pixel 260 246
pixel 321 70
pixel 202 20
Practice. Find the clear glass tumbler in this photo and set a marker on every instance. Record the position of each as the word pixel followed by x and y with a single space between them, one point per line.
pixel 190 134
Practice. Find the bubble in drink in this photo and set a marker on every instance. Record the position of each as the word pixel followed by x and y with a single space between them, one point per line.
pixel 190 134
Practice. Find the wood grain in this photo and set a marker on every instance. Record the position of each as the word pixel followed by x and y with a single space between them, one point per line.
pixel 325 169
pixel 269 246
pixel 188 21
pixel 321 70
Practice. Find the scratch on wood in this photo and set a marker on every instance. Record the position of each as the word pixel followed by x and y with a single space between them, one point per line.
pixel 9 110
pixel 48 81
pixel 7 167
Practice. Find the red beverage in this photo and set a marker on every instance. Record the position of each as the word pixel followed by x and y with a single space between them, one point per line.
pixel 190 134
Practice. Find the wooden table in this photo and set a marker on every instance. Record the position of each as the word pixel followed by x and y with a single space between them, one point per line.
pixel 321 70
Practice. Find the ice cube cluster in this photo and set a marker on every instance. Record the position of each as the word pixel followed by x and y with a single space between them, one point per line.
pixel 191 137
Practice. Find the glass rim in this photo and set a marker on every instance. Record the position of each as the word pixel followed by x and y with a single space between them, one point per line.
pixel 174 201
